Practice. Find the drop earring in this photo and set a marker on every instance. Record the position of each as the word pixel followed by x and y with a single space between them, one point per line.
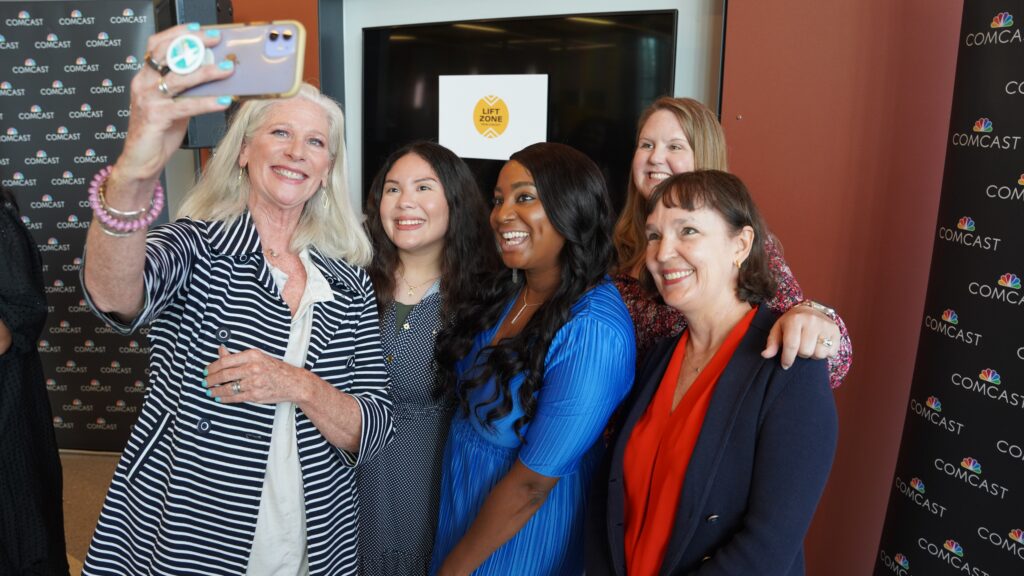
pixel 325 198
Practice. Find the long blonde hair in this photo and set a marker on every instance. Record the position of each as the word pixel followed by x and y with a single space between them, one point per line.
pixel 328 221
pixel 707 140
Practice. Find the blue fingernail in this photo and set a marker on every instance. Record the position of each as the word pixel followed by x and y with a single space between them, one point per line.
pixel 206 372
pixel 209 392
pixel 224 100
pixel 206 384
pixel 193 26
pixel 217 399
pixel 226 65
pixel 213 32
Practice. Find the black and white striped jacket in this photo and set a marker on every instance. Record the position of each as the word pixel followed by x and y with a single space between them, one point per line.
pixel 186 493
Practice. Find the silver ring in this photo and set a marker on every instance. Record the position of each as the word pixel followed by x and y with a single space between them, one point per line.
pixel 162 86
pixel 236 388
pixel 826 342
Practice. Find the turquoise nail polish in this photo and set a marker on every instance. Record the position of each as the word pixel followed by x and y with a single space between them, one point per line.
pixel 224 100
pixel 217 399
pixel 193 26
pixel 226 65
pixel 206 384
pixel 213 32
pixel 205 373
pixel 209 392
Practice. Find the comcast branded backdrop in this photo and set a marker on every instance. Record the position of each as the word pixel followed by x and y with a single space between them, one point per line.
pixel 957 502
pixel 65 68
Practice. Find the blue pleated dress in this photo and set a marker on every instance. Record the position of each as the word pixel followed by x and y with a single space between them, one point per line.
pixel 589 370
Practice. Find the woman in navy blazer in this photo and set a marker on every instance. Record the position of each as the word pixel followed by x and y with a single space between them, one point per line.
pixel 765 447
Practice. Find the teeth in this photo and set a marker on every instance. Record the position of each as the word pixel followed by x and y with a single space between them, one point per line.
pixel 658 175
pixel 410 222
pixel 677 275
pixel 514 235
pixel 289 173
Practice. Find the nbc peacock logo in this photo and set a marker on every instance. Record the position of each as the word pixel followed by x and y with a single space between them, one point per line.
pixel 991 376
pixel 1010 280
pixel 917 484
pixel 982 125
pixel 902 561
pixel 491 116
pixel 933 403
pixel 1017 535
pixel 971 464
pixel 1002 20
pixel 966 223
pixel 954 547
pixel 949 316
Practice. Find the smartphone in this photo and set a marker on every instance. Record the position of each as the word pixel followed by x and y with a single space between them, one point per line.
pixel 268 59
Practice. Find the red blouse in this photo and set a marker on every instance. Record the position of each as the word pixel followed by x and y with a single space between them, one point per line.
pixel 659 451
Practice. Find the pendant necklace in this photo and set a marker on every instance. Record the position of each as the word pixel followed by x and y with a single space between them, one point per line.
pixel 412 287
pixel 526 290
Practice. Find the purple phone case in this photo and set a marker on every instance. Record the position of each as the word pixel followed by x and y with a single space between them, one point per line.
pixel 259 71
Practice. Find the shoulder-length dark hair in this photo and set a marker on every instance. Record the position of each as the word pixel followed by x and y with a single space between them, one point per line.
pixel 469 247
pixel 727 195
pixel 575 198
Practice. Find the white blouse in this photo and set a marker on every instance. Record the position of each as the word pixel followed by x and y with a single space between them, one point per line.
pixel 279 545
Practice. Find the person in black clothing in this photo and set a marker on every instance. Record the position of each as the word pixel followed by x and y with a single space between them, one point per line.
pixel 31 509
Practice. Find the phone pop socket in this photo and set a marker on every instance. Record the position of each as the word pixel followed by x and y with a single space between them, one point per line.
pixel 185 54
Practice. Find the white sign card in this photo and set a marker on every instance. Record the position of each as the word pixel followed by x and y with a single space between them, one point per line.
pixel 492 116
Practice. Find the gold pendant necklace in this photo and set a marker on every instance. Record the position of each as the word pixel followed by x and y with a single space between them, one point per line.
pixel 412 287
pixel 526 290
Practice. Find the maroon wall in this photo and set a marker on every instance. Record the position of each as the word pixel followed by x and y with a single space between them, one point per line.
pixel 836 115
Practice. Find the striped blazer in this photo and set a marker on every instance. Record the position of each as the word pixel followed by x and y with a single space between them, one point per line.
pixel 186 492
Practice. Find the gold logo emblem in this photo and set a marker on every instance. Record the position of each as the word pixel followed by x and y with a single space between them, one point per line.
pixel 490 116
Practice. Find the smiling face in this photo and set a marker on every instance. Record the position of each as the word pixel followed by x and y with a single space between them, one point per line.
pixel 413 208
pixel 287 157
pixel 662 150
pixel 525 235
pixel 692 255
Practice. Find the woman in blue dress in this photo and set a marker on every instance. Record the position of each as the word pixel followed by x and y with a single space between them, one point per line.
pixel 538 367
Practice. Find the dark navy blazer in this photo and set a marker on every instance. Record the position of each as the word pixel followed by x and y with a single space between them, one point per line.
pixel 755 476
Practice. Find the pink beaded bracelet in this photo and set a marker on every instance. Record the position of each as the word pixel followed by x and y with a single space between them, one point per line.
pixel 115 222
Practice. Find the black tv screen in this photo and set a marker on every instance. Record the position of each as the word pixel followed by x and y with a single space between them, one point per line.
pixel 603 69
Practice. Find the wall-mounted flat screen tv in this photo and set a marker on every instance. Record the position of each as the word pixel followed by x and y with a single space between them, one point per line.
pixel 603 69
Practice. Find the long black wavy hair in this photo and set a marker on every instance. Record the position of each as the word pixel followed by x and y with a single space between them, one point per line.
pixel 575 197
pixel 469 250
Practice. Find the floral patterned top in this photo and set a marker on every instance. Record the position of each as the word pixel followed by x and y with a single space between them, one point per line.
pixel 653 319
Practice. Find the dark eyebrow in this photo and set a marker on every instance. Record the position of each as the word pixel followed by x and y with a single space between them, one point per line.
pixel 517 185
pixel 523 184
